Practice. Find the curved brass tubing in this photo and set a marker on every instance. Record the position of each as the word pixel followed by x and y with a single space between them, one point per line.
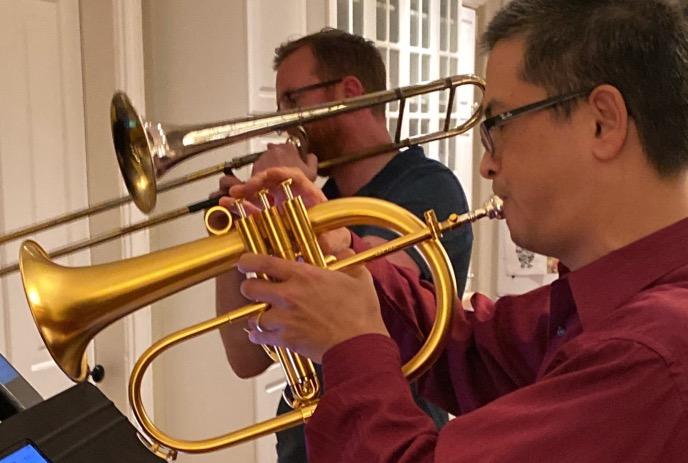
pixel 102 294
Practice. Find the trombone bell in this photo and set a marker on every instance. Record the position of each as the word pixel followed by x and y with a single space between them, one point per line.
pixel 134 148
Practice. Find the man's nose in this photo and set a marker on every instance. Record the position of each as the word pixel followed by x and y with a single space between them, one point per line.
pixel 488 166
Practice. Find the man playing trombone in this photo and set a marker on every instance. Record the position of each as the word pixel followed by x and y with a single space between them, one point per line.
pixel 585 141
pixel 333 65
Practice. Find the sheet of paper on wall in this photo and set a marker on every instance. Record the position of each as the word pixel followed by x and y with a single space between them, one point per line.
pixel 517 261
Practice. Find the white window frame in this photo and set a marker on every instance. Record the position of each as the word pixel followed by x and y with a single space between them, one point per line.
pixel 457 152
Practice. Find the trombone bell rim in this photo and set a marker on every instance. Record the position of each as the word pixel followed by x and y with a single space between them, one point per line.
pixel 134 152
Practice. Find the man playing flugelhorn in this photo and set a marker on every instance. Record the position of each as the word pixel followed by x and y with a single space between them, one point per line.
pixel 586 142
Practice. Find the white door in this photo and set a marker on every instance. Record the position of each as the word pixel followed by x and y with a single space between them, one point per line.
pixel 42 159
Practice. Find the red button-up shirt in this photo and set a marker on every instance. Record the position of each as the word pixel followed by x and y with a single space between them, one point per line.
pixel 593 368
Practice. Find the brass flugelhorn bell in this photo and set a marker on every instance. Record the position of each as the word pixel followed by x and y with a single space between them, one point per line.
pixel 70 305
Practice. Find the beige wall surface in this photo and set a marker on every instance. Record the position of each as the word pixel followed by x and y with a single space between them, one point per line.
pixel 195 72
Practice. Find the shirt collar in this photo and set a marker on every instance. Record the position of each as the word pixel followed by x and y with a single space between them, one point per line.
pixel 605 284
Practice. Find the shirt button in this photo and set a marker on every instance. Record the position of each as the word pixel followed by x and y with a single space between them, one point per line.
pixel 561 331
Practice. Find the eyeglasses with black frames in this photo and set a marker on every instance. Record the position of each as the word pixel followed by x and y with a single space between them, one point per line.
pixel 289 100
pixel 500 119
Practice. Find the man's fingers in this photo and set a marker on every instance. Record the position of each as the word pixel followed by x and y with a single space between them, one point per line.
pixel 257 289
pixel 228 181
pixel 354 271
pixel 272 179
pixel 267 338
pixel 311 161
pixel 344 253
pixel 265 328
pixel 274 176
pixel 229 203
pixel 274 267
pixel 268 320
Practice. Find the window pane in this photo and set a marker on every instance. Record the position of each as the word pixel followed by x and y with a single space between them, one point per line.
pixel 426 23
pixel 413 74
pixel 451 160
pixel 413 17
pixel 381 20
pixel 454 31
pixel 393 73
pixel 358 16
pixel 383 55
pixel 425 76
pixel 343 15
pixel 413 127
pixel 443 157
pixel 394 21
pixel 444 19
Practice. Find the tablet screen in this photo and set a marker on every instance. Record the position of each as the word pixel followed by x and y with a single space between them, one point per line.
pixel 24 454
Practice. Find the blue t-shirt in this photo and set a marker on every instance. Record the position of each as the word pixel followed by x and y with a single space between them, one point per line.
pixel 417 184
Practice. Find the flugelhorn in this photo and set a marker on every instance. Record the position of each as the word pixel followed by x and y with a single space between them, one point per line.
pixel 71 305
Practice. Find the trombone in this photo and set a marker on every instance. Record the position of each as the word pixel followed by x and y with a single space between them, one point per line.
pixel 146 150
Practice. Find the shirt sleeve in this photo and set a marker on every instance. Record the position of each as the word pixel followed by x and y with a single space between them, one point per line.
pixel 485 364
pixel 614 400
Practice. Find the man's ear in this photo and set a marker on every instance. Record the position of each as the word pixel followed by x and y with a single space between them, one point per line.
pixel 610 116
pixel 352 86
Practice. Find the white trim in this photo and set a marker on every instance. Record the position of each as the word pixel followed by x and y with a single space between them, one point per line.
pixel 68 14
pixel 332 13
pixel 129 77
pixel 261 88
pixel 74 136
pixel 369 19
pixel 475 4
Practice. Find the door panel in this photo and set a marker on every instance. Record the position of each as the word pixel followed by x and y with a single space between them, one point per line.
pixel 42 159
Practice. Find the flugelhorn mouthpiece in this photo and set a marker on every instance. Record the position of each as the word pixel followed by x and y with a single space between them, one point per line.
pixel 494 207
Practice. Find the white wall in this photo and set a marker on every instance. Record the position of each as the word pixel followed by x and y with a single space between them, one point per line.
pixel 103 63
pixel 195 67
